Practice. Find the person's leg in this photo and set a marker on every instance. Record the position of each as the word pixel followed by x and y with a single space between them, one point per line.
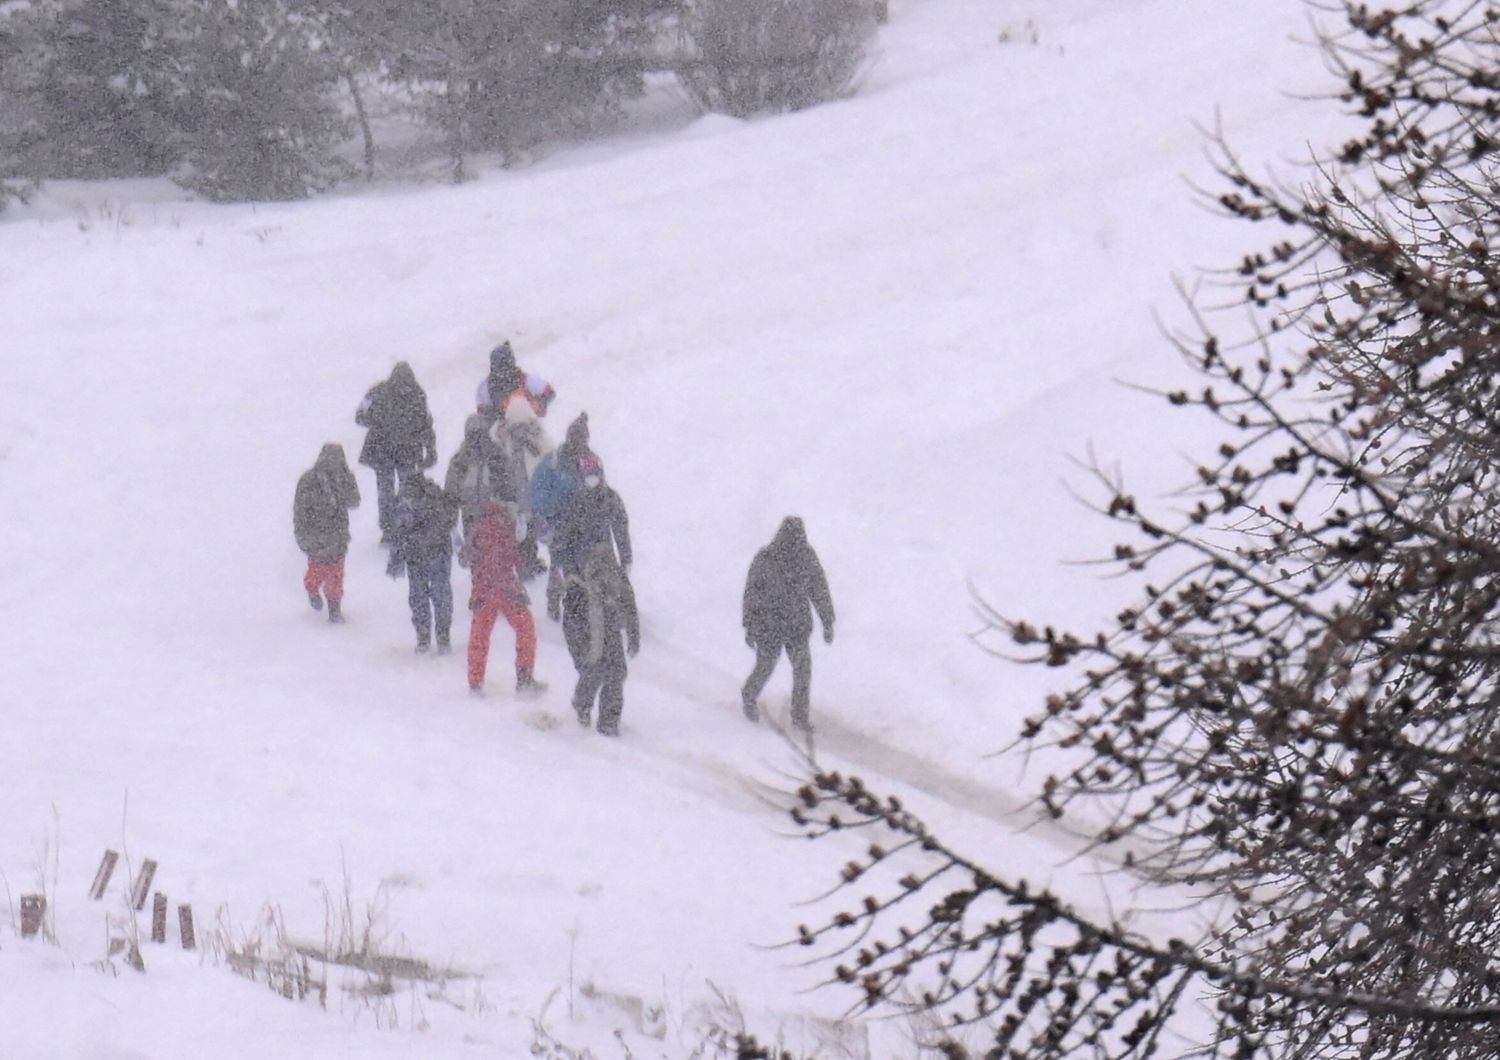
pixel 519 617
pixel 312 581
pixel 385 499
pixel 481 623
pixel 801 656
pixel 589 677
pixel 333 589
pixel 419 599
pixel 766 655
pixel 612 690
pixel 441 586
pixel 333 584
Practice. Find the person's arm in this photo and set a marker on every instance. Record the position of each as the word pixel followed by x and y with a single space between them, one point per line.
pixel 362 412
pixel 350 488
pixel 822 600
pixel 632 618
pixel 620 527
pixel 753 600
pixel 429 440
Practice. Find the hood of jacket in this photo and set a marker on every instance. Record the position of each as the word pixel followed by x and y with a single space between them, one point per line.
pixel 331 460
pixel 577 439
pixel 791 537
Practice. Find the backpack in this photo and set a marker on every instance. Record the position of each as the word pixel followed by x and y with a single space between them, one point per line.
pixel 550 488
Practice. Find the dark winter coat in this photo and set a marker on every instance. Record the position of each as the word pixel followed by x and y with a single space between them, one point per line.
pixel 320 511
pixel 503 378
pixel 400 427
pixel 493 560
pixel 423 528
pixel 785 584
pixel 592 515
pixel 598 606
pixel 479 472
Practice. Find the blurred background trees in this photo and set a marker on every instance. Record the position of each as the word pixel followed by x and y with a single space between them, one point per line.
pixel 262 99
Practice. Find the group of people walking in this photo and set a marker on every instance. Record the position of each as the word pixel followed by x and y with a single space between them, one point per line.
pixel 507 491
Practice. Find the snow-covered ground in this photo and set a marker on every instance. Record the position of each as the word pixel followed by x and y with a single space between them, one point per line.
pixel 898 316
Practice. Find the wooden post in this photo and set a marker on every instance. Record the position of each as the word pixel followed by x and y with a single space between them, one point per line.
pixel 33 910
pixel 142 885
pixel 101 878
pixel 185 926
pixel 159 918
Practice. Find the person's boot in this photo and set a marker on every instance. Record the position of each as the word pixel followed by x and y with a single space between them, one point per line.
pixel 750 707
pixel 424 645
pixel 528 686
pixel 443 646
pixel 315 599
pixel 335 611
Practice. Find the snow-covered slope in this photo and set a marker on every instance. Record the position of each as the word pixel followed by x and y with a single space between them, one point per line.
pixel 897 316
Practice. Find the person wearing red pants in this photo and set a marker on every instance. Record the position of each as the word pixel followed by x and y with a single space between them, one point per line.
pixel 320 523
pixel 493 560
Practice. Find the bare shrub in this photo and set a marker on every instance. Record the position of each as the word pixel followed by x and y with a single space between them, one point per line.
pixel 758 56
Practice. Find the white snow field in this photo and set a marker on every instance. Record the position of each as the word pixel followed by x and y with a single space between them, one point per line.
pixel 898 316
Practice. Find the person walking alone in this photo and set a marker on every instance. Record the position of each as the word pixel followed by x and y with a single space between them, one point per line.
pixel 785 585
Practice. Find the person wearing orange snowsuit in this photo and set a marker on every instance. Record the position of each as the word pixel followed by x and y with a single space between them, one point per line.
pixel 497 590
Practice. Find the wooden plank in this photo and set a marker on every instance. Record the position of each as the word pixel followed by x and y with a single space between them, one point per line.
pixel 101 878
pixel 142 886
pixel 185 926
pixel 33 911
pixel 159 918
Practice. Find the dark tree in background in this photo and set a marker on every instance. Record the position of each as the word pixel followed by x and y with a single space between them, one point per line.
pixel 757 56
pixel 257 99
pixel 259 119
pixel 89 88
pixel 506 74
pixel 1299 722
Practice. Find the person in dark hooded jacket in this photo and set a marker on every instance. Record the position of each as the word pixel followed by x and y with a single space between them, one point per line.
pixel 422 545
pixel 320 523
pixel 592 513
pixel 478 473
pixel 785 585
pixel 505 383
pixel 399 440
pixel 598 605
